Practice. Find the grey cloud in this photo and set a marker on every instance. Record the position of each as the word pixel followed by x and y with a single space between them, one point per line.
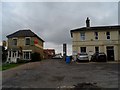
pixel 53 21
pixel 119 12
pixel 0 23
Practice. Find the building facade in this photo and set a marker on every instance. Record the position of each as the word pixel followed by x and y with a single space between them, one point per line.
pixel 97 39
pixel 22 44
pixel 49 53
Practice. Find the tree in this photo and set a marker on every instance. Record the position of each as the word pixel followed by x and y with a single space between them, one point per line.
pixel 4 54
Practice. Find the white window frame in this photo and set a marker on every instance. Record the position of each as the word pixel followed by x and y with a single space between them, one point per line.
pixel 24 57
pixel 25 41
pixel 82 36
pixel 13 42
pixel 10 54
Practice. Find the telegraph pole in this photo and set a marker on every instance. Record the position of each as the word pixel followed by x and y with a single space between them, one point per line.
pixel 64 51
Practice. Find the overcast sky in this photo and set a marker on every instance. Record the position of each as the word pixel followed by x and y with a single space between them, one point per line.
pixel 52 21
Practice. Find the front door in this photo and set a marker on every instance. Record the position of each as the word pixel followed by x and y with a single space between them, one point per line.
pixel 14 56
pixel 110 53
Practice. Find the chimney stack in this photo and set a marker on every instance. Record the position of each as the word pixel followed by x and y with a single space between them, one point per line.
pixel 87 22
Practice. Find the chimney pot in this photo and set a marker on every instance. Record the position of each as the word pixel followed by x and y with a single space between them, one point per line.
pixel 87 22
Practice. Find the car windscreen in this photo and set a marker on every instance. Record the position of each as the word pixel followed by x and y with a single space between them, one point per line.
pixel 83 54
pixel 101 54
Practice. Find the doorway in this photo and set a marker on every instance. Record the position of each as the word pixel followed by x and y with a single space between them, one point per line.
pixel 110 53
pixel 14 56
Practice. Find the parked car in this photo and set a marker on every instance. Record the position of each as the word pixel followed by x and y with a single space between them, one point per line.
pixel 99 57
pixel 82 57
pixel 57 57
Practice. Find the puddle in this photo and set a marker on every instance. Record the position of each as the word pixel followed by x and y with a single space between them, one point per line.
pixel 86 85
pixel 57 78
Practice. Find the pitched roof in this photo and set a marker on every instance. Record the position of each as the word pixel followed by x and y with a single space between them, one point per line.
pixel 23 33
pixel 96 28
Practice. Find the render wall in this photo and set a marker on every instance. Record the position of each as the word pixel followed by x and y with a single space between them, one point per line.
pixel 90 43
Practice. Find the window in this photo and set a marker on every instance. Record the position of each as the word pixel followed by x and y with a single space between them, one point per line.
pixel 9 53
pixel 17 53
pixel 15 42
pixel 27 55
pixel 119 35
pixel 96 49
pixel 82 36
pixel 14 54
pixel 83 49
pixel 108 35
pixel 96 35
pixel 27 41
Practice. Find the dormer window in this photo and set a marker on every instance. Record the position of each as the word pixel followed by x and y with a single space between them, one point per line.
pixel 15 41
pixel 27 41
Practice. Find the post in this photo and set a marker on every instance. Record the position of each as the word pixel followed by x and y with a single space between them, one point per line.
pixel 64 51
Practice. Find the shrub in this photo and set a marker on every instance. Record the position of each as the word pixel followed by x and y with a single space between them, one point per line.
pixel 22 61
pixel 35 57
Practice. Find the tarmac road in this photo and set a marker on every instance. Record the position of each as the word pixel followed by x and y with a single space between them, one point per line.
pixel 56 73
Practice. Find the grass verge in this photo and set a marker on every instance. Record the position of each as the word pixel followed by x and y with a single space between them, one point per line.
pixel 8 66
pixel 12 65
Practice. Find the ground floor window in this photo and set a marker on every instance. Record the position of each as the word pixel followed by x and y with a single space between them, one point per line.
pixel 97 49
pixel 9 53
pixel 27 55
pixel 83 49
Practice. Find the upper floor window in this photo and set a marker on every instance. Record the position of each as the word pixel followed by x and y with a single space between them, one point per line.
pixel 119 35
pixel 108 35
pixel 82 36
pixel 15 41
pixel 27 41
pixel 96 35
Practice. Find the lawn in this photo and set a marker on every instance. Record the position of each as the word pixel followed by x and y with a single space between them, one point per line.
pixel 12 65
pixel 8 66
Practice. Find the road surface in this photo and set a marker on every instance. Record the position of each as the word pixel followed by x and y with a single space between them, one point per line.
pixel 56 73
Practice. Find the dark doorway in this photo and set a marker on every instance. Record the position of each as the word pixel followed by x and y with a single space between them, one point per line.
pixel 110 53
pixel 83 49
pixel 96 49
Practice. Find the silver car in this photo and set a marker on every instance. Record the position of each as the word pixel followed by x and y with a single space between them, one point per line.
pixel 57 57
pixel 82 57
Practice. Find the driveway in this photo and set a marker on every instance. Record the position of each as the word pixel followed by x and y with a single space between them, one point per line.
pixel 56 73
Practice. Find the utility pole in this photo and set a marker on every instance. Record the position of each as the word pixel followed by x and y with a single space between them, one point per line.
pixel 64 51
